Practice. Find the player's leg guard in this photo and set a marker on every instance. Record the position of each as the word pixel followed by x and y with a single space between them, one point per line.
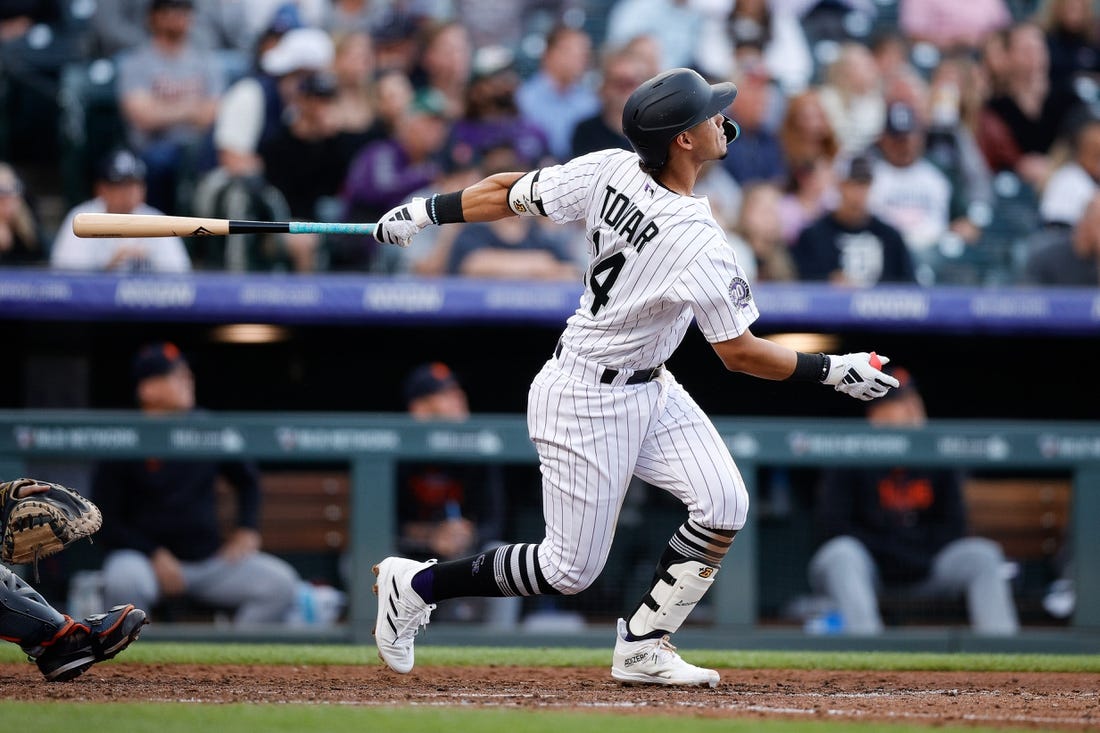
pixel 684 574
pixel 25 616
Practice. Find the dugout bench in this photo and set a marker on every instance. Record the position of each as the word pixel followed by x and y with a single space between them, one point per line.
pixel 372 445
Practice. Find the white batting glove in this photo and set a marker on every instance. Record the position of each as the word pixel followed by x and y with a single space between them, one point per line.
pixel 858 375
pixel 401 223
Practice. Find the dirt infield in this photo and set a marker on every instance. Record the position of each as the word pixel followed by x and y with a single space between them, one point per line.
pixel 1062 701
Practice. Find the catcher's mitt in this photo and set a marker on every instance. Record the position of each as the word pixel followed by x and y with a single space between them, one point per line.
pixel 40 524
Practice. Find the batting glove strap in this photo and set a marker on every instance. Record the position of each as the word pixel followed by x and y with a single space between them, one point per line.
pixel 401 223
pixel 853 375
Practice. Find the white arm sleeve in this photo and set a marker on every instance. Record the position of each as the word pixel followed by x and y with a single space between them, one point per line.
pixel 523 196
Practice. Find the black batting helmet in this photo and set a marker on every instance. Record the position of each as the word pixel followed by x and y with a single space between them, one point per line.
pixel 669 103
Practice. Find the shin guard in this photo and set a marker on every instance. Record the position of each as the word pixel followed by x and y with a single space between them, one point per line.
pixel 684 574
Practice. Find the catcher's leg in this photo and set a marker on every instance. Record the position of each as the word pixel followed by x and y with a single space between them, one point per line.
pixel 25 617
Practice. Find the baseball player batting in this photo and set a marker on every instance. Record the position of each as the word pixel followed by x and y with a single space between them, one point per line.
pixel 604 408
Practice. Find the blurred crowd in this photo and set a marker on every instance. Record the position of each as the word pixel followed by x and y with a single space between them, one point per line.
pixel 913 141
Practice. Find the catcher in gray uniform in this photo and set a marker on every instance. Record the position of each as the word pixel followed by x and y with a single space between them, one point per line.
pixel 604 408
pixel 37 519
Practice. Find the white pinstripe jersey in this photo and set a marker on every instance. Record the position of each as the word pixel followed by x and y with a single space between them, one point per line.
pixel 657 260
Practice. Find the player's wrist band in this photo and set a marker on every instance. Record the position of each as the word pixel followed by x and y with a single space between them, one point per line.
pixel 446 208
pixel 810 368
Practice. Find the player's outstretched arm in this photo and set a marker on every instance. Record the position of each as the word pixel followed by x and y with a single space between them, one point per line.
pixel 858 375
pixel 486 200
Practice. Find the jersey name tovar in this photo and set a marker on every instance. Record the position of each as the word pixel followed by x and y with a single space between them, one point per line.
pixel 625 218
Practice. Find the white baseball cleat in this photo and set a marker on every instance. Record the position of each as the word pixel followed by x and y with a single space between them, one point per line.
pixel 401 611
pixel 655 662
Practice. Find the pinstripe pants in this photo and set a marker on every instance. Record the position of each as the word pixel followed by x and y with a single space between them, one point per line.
pixel 592 438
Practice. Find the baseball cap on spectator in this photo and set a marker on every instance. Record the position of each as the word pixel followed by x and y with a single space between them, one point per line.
pixel 491 60
pixel 855 168
pixel 428 379
pixel 309 49
pixel 120 166
pixel 319 84
pixel 156 360
pixel 901 119
pixel 398 27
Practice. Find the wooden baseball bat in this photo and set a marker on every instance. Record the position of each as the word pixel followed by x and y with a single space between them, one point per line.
pixel 147 225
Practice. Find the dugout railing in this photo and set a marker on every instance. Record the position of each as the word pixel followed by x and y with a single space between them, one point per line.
pixel 371 445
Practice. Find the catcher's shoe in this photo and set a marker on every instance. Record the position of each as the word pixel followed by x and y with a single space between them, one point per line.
pixel 79 645
pixel 401 611
pixel 655 662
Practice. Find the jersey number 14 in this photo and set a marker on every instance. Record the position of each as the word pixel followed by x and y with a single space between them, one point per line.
pixel 601 288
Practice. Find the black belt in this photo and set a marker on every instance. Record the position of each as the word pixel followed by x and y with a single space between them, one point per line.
pixel 640 376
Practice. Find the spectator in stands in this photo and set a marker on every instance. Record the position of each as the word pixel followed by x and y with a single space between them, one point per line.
pixel 396 43
pixel 891 52
pixel 952 108
pixel 161 526
pixel 307 158
pixel 950 25
pixel 621 71
pixel 675 24
pixel 385 172
pixel 353 17
pixel 1068 256
pixel 20 243
pixel 1019 126
pixel 1073 40
pixel 353 66
pixel 910 193
pixel 252 109
pixel 491 116
pixel 509 22
pixel 558 96
pixel 805 133
pixel 849 246
pixel 513 248
pixel 445 64
pixel 448 511
pixel 809 146
pixel 852 98
pixel 168 93
pixel 118 25
pixel 757 237
pixel 119 189
pixel 772 33
pixel 1076 182
pixel 758 154
pixel 393 93
pixel 809 193
pixel 648 51
pixel 250 114
pixel 902 531
pixel 835 21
